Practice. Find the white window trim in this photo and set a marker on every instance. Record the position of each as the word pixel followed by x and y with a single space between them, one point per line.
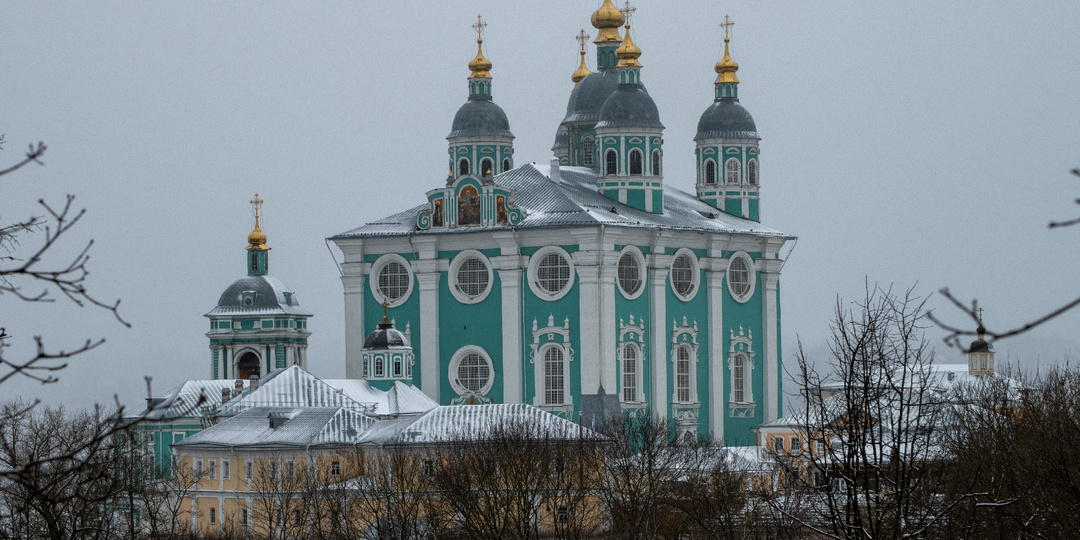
pixel 726 162
pixel 705 173
pixel 534 264
pixel 373 278
pixel 695 267
pixel 642 272
pixel 543 339
pixel 742 344
pixel 637 372
pixel 456 265
pixel 757 172
pixel 541 384
pixel 633 334
pixel 456 360
pixel 684 336
pixel 753 277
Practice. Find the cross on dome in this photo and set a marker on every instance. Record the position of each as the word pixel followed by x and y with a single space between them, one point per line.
pixel 479 27
pixel 256 203
pixel 582 37
pixel 726 25
pixel 627 11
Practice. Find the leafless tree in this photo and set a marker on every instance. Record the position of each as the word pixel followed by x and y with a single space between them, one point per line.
pixel 972 311
pixel 874 422
pixel 394 492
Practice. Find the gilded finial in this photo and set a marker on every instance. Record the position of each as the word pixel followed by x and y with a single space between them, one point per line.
pixel 385 322
pixel 582 70
pixel 726 67
pixel 981 330
pixel 627 11
pixel 607 20
pixel 480 66
pixel 628 53
pixel 256 240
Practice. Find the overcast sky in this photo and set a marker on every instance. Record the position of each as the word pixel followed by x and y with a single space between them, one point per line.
pixel 902 142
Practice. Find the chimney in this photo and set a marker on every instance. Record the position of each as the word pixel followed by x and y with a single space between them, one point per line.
pixel 555 176
pixel 238 388
pixel 224 395
pixel 253 383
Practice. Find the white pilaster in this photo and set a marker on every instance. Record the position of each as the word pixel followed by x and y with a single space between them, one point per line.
pixel 771 327
pixel 355 331
pixel 589 320
pixel 717 361
pixel 513 380
pixel 429 329
pixel 658 274
pixel 609 356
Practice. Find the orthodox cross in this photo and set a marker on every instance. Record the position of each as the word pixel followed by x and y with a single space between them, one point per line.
pixel 980 310
pixel 256 202
pixel 582 37
pixel 627 11
pixel 479 27
pixel 727 24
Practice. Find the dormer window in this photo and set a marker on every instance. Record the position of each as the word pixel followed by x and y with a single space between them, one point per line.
pixel 288 298
pixel 247 298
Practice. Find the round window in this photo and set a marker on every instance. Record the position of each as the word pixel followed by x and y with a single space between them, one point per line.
pixel 391 280
pixel 630 273
pixel 470 277
pixel 471 371
pixel 683 276
pixel 740 277
pixel 550 273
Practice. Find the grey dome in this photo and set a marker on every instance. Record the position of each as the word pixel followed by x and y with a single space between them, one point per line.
pixel 480 118
pixel 630 106
pixel 980 346
pixel 726 119
pixel 271 297
pixel 562 138
pixel 589 96
pixel 385 337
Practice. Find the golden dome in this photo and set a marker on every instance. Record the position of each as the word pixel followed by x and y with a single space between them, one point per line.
pixel 628 53
pixel 726 67
pixel 582 70
pixel 480 66
pixel 607 19
pixel 257 240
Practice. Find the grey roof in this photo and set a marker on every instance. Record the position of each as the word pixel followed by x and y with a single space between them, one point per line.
pixel 400 399
pixel 292 387
pixel 726 119
pixel 629 106
pixel 573 201
pixel 472 422
pixel 562 138
pixel 186 400
pixel 269 299
pixel 386 338
pixel 480 118
pixel 589 95
pixel 301 427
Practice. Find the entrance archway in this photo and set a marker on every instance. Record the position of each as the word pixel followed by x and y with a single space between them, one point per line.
pixel 247 366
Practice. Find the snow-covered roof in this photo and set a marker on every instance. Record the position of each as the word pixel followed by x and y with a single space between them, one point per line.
pixel 473 422
pixel 271 298
pixel 293 427
pixel 186 400
pixel 572 201
pixel 292 387
pixel 400 399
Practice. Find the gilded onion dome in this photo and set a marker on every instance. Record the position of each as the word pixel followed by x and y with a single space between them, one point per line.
pixel 726 67
pixel 582 70
pixel 480 66
pixel 607 20
pixel 628 53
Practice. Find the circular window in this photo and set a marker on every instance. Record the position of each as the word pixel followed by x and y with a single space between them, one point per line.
pixel 684 274
pixel 391 280
pixel 551 273
pixel 471 371
pixel 470 277
pixel 740 277
pixel 631 273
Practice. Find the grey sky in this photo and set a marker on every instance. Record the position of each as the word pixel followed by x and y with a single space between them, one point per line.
pixel 909 142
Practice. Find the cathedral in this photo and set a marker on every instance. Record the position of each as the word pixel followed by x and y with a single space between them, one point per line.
pixel 587 283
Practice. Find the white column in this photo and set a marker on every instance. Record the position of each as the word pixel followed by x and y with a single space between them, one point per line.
pixel 428 279
pixel 658 274
pixel 771 360
pixel 717 358
pixel 513 379
pixel 589 353
pixel 352 279
pixel 608 328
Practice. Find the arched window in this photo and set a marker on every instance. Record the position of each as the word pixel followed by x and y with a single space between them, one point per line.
pixel 732 167
pixel 635 162
pixel 506 165
pixel 710 172
pixel 611 165
pixel 738 378
pixel 486 167
pixel 682 374
pixel 587 150
pixel 247 366
pixel 656 163
pixel 380 366
pixel 630 373
pixel 463 167
pixel 751 172
pixel 554 377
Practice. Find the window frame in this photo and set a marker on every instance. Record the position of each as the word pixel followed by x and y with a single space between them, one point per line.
pixel 611 162
pixel 564 375
pixel 490 166
pixel 751 277
pixel 678 386
pixel 225 472
pixel 752 172
pixel 639 258
pixel 455 364
pixel 534 267
pixel 695 273
pixel 335 468
pixel 729 170
pixel 455 284
pixel 654 168
pixel 636 160
pixel 376 271
pixel 467 167
pixel 708 179
pixel 636 376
